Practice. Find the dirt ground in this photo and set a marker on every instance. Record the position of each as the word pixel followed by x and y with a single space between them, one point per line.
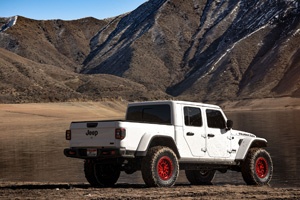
pixel 11 190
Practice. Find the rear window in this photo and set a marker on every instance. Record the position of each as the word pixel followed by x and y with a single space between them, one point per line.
pixel 160 114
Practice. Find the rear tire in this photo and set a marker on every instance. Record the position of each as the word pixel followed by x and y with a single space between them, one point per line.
pixel 89 172
pixel 257 168
pixel 200 177
pixel 160 167
pixel 99 175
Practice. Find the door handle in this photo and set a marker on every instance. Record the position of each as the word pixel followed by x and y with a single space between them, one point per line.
pixel 211 135
pixel 190 134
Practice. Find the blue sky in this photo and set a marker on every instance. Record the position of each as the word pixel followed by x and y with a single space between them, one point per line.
pixel 67 9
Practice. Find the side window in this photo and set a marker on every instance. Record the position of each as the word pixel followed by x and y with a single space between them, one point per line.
pixel 192 116
pixel 215 119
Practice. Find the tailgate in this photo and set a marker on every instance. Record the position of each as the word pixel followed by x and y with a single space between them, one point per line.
pixel 93 134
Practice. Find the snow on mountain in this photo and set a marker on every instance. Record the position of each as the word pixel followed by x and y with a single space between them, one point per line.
pixel 184 47
pixel 9 22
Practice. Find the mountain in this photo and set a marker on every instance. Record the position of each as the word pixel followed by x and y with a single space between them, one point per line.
pixel 23 81
pixel 213 50
pixel 64 44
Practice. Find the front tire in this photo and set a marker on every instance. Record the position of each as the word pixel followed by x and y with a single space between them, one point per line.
pixel 200 177
pixel 160 167
pixel 257 168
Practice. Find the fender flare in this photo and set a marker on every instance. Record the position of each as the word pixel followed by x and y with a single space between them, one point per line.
pixel 152 139
pixel 246 144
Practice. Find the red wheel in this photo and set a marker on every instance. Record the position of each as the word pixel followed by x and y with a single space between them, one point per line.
pixel 257 168
pixel 160 167
pixel 165 168
pixel 261 167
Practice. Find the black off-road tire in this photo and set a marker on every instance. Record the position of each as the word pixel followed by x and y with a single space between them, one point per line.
pixel 89 172
pixel 200 177
pixel 99 175
pixel 160 167
pixel 257 168
pixel 107 175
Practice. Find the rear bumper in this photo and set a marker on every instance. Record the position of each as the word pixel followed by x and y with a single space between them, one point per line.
pixel 101 153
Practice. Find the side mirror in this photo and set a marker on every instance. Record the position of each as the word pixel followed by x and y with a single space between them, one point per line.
pixel 229 124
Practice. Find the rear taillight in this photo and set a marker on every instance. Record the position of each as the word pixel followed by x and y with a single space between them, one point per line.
pixel 120 133
pixel 68 134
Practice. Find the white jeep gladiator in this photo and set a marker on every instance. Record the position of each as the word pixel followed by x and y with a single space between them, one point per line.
pixel 162 137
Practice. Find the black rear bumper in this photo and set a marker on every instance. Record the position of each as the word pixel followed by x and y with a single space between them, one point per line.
pixel 101 153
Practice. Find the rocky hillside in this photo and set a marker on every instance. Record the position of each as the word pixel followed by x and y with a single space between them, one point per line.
pixel 64 44
pixel 200 50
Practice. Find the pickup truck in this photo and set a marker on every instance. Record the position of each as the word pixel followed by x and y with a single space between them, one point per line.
pixel 162 137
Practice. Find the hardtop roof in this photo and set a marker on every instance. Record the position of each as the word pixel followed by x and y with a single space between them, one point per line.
pixel 174 102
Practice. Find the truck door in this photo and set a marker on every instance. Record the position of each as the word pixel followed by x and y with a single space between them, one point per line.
pixel 218 138
pixel 194 132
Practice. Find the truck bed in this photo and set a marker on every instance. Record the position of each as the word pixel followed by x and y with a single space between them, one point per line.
pixel 100 135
